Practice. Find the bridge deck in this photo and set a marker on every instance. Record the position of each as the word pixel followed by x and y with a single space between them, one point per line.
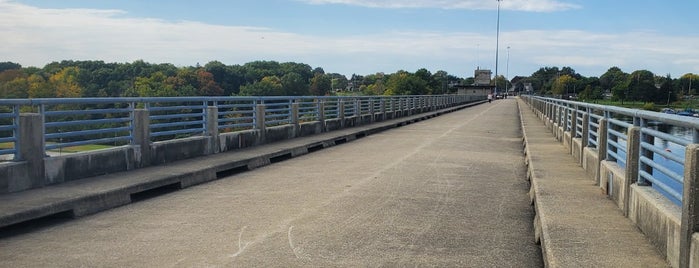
pixel 450 191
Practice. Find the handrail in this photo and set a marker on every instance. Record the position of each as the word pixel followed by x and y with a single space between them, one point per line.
pixel 86 121
pixel 661 168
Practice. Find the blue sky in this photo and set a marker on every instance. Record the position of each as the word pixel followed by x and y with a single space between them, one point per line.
pixel 360 36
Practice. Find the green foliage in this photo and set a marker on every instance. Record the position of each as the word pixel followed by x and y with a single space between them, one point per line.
pixel 649 106
pixel 268 86
pixel 405 83
pixel 140 78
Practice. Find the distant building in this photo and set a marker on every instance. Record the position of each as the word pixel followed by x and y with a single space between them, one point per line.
pixel 482 77
pixel 481 86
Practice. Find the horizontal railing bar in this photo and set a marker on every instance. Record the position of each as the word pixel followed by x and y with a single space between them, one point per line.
pixel 86 142
pixel 57 135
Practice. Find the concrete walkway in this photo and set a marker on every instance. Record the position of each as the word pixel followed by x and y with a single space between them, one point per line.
pixel 576 224
pixel 446 192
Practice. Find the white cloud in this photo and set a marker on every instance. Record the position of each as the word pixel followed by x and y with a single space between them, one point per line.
pixel 35 37
pixel 521 5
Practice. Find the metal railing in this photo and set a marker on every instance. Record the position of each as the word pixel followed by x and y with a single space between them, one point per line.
pixel 660 154
pixel 72 122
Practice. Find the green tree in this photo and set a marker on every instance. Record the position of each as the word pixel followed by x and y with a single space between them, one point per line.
pixel 320 84
pixel 39 87
pixel 65 83
pixel 684 84
pixel 293 84
pixel 614 80
pixel 641 86
pixel 405 83
pixel 268 86
pixel 563 85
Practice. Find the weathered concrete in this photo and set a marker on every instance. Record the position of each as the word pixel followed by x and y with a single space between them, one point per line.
pixel 49 204
pixel 690 203
pixel 613 182
pixel 575 223
pixel 31 135
pixel 590 163
pixel 425 194
pixel 658 219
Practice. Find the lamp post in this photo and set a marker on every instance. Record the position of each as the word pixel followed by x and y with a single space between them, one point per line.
pixel 507 71
pixel 497 47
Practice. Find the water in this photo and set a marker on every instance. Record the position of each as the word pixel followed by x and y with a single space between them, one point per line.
pixel 674 149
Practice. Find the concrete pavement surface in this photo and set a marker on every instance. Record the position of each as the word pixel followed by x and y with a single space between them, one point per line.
pixel 449 191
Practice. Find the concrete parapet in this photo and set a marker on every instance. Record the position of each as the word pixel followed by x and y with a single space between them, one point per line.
pixel 279 133
pixel 613 182
pixel 310 128
pixel 14 176
pixel 577 150
pixel 239 140
pixel 88 164
pixel 694 251
pixel 179 149
pixel 567 140
pixel 658 219
pixel 590 162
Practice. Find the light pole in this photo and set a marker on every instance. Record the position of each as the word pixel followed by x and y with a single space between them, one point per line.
pixel 497 47
pixel 507 71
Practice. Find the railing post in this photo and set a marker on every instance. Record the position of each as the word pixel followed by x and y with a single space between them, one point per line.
pixel 321 114
pixel 585 135
pixel 383 109
pixel 371 109
pixel 295 114
pixel 690 202
pixel 141 136
pixel 31 150
pixel 260 124
pixel 341 112
pixel 212 129
pixel 633 146
pixel 601 145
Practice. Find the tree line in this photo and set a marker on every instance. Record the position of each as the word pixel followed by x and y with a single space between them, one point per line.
pixel 270 78
pixel 639 85
pixel 259 78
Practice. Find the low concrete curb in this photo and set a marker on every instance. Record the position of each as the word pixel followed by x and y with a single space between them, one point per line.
pixel 88 196
pixel 576 225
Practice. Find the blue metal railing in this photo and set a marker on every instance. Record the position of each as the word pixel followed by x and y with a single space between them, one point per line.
pixel 110 121
pixel 9 122
pixel 660 155
pixel 236 114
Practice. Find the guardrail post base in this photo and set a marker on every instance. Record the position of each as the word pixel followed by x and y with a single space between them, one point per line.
pixel 141 136
pixel 690 203
pixel 31 138
pixel 260 124
pixel 601 147
pixel 321 115
pixel 633 147
pixel 212 129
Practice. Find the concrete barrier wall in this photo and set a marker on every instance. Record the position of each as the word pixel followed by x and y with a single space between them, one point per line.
pixel 55 169
pixel 670 228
